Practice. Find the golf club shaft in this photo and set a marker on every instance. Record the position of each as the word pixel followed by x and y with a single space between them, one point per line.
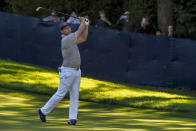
pixel 38 8
pixel 66 14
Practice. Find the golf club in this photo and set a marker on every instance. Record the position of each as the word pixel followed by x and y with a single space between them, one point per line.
pixel 39 8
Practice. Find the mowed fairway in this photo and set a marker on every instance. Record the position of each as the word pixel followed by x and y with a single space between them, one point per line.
pixel 41 80
pixel 104 106
pixel 18 112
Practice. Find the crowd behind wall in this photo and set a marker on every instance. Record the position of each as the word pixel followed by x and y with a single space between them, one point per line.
pixel 124 23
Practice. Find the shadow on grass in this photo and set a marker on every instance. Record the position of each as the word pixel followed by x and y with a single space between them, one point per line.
pixel 15 66
pixel 170 101
pixel 23 77
pixel 179 91
pixel 23 66
pixel 18 111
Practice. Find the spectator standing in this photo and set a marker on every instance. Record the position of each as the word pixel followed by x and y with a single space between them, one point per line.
pixel 145 27
pixel 73 20
pixel 125 22
pixel 171 31
pixel 103 21
pixel 53 17
pixel 158 32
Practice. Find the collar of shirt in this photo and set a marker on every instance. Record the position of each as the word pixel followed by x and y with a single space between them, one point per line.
pixel 63 36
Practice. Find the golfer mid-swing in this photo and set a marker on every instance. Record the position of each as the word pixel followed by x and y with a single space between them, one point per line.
pixel 69 72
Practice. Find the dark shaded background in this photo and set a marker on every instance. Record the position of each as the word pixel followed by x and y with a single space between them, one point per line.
pixel 108 54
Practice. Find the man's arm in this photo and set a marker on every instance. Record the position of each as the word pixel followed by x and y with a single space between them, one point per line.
pixel 83 36
pixel 82 32
pixel 81 28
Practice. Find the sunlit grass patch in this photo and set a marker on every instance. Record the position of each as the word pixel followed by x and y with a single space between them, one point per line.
pixel 21 76
pixel 19 113
pixel 45 81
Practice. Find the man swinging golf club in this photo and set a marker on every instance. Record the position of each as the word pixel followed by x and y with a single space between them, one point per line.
pixel 69 72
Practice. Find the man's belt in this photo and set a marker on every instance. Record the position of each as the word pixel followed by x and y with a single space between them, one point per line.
pixel 77 68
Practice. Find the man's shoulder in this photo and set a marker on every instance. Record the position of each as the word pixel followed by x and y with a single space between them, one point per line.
pixel 68 37
pixel 70 34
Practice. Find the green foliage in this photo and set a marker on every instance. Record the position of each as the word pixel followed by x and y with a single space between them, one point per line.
pixel 184 17
pixel 83 7
pixel 3 5
pixel 142 8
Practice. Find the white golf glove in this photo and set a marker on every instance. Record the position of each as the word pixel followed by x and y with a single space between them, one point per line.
pixel 87 21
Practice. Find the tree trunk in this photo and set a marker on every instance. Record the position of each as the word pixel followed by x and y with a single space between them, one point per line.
pixel 164 14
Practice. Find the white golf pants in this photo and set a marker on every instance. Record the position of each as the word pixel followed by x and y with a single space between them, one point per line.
pixel 69 80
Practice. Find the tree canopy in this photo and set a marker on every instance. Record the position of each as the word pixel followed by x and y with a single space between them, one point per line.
pixel 184 16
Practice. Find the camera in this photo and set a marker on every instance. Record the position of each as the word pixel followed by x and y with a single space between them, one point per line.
pixel 123 17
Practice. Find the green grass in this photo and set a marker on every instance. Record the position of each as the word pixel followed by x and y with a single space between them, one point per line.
pixel 18 113
pixel 45 81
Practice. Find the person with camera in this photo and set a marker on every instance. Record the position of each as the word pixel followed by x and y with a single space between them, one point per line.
pixel 125 23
